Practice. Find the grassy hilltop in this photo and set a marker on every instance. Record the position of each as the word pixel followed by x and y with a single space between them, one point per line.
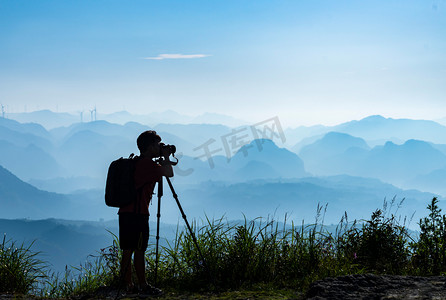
pixel 264 258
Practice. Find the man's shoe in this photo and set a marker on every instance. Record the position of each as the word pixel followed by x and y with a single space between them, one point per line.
pixel 149 290
pixel 130 292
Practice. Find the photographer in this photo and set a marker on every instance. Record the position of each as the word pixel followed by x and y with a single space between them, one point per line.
pixel 134 217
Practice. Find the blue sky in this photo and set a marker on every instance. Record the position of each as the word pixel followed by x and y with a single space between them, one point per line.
pixel 306 61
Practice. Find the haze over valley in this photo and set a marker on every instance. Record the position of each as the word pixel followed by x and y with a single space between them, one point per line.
pixel 251 170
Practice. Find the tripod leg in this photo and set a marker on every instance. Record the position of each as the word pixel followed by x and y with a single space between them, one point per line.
pixel 188 226
pixel 158 216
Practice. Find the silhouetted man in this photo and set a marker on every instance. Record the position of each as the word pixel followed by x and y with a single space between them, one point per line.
pixel 134 218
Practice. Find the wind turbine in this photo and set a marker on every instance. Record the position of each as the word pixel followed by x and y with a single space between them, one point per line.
pixel 93 114
pixel 81 113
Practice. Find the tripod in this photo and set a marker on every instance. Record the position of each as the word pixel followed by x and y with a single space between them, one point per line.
pixel 158 215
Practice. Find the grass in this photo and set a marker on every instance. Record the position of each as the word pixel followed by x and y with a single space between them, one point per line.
pixel 256 252
pixel 255 257
pixel 99 271
pixel 20 269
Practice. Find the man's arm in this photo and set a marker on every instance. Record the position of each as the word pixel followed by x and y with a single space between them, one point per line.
pixel 165 163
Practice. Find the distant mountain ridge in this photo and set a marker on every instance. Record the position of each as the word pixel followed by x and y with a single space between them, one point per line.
pixel 84 150
pixel 403 161
pixel 374 129
pixel 29 161
pixel 338 153
pixel 51 120
pixel 284 162
pixel 248 163
pixel 31 128
pixel 331 144
pixel 19 199
pixel 377 127
pixel 352 167
pixel 300 197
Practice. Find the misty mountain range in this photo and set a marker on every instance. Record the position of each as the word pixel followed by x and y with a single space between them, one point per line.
pixel 376 130
pixel 337 153
pixel 223 171
pixel 71 162
pixel 77 156
pixel 50 119
pixel 65 242
pixel 267 198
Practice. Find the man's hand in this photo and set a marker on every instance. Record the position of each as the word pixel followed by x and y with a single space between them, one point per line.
pixel 167 167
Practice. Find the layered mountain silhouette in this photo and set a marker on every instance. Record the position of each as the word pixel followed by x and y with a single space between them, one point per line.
pixel 84 150
pixel 343 154
pixel 298 198
pixel 20 200
pixel 434 181
pixel 277 162
pixel 76 157
pixel 351 167
pixel 259 159
pixel 29 161
pixel 374 130
pixel 23 135
pixel 196 134
pixel 50 119
pixel 380 128
pixel 30 128
pixel 392 161
pixel 87 152
pixel 330 145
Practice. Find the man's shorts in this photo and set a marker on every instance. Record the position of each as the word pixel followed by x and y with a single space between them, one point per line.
pixel 133 231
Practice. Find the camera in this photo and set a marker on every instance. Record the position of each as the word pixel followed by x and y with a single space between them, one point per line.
pixel 171 149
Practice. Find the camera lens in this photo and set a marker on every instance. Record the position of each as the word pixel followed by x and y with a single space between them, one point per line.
pixel 169 148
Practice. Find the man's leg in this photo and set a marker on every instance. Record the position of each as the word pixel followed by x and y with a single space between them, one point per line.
pixel 126 268
pixel 140 268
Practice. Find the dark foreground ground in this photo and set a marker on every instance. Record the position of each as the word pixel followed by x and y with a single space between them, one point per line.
pixel 367 286
pixel 378 287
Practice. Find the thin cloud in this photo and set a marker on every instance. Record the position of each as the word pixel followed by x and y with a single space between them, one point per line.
pixel 177 56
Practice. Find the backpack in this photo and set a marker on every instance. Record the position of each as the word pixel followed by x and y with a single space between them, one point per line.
pixel 120 187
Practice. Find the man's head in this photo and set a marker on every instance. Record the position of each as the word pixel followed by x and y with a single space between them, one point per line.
pixel 149 143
